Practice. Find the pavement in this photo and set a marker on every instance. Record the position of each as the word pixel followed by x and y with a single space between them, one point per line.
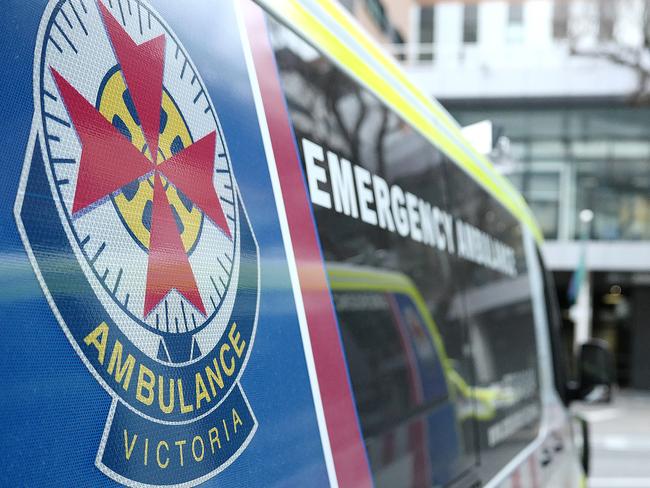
pixel 620 440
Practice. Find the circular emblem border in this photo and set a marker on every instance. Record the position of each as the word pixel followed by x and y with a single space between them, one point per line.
pixel 36 154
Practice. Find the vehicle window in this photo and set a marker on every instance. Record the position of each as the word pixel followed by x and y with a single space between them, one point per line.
pixel 394 213
pixel 430 370
pixel 501 325
pixel 558 347
pixel 381 211
pixel 381 370
pixel 399 385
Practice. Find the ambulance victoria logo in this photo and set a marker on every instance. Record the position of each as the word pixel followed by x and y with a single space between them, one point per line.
pixel 134 223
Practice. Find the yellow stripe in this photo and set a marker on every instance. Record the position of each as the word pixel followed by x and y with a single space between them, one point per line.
pixel 386 61
pixel 311 28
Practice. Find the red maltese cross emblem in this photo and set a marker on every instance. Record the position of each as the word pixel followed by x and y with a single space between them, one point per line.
pixel 109 162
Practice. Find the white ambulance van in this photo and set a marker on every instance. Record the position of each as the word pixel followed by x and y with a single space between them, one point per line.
pixel 240 248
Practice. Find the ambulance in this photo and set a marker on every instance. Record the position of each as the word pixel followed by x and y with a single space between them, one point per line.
pixel 240 247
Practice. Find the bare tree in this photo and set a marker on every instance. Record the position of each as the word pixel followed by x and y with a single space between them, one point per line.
pixel 617 31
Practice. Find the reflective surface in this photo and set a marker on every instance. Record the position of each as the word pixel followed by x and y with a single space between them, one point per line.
pixel 411 309
pixel 574 157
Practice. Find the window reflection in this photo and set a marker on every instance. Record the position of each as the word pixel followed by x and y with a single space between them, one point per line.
pixel 429 337
pixel 600 159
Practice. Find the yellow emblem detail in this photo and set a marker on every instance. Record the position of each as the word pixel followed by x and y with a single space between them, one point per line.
pixel 135 202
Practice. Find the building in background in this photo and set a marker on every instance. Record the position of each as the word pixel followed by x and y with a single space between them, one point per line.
pixel 388 21
pixel 566 85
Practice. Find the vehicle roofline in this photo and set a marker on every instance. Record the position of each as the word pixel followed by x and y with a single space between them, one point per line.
pixel 314 21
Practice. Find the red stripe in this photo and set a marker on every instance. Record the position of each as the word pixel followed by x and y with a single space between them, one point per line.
pixel 348 450
pixel 532 465
pixel 418 441
pixel 516 479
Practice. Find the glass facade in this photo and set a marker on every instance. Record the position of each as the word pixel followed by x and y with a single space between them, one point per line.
pixel 470 23
pixel 567 159
pixel 427 32
pixel 560 20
